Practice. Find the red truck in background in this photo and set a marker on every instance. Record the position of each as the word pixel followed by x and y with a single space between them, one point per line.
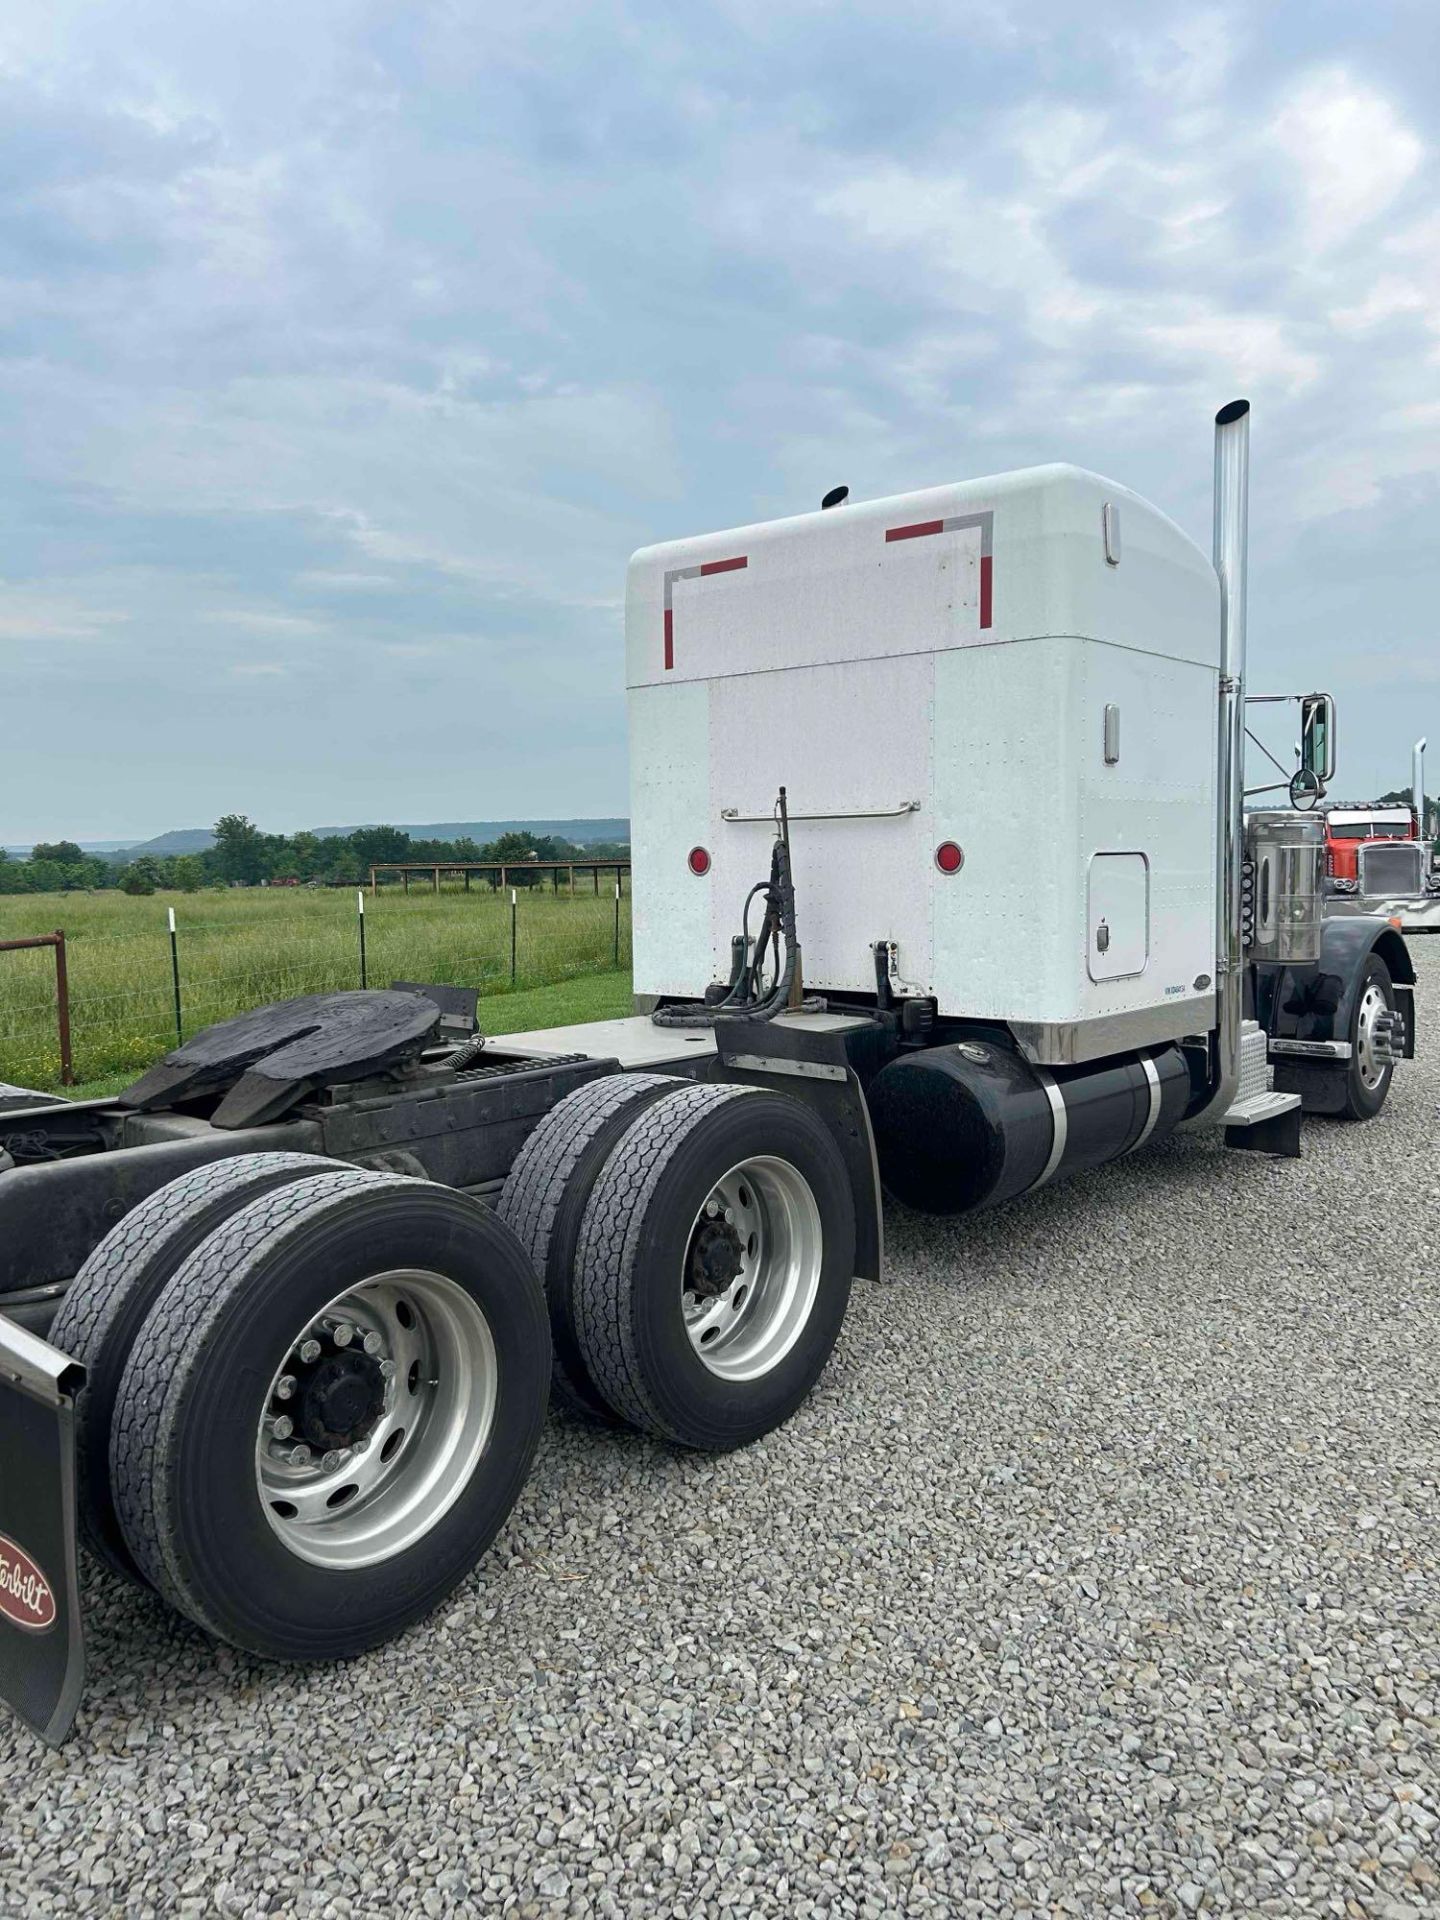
pixel 1394 867
pixel 1377 859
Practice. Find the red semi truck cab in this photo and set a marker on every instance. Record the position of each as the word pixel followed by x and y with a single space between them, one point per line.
pixel 1348 830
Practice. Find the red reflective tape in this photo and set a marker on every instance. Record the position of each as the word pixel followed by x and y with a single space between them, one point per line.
pixel 669 639
pixel 916 532
pixel 724 566
pixel 985 566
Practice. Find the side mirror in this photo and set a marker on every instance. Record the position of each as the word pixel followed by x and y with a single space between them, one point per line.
pixel 1317 736
pixel 1305 789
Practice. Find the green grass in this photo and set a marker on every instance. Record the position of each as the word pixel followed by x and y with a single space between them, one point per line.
pixel 240 949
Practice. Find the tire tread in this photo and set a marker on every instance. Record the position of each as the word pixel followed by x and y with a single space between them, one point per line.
pixel 609 1248
pixel 539 1181
pixel 103 1293
pixel 1358 1102
pixel 180 1329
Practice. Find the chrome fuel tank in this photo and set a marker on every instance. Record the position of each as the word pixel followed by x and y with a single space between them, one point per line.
pixel 1285 887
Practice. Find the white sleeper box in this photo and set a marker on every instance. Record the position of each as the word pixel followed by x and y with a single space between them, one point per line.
pixel 938 667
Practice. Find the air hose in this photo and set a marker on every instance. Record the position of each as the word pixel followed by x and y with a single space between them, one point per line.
pixel 746 997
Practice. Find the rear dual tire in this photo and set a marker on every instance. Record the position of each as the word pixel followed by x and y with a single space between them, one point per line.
pixel 544 1202
pixel 713 1266
pixel 112 1295
pixel 196 1319
pixel 189 1446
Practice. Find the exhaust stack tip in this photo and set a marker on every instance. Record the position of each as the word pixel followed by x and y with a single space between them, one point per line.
pixel 1230 413
pixel 835 497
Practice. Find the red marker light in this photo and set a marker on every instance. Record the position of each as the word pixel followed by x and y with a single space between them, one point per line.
pixel 948 857
pixel 699 860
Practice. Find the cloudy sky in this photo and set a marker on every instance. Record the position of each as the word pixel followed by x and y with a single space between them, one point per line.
pixel 347 350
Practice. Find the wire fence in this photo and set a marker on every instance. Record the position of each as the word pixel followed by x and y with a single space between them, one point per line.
pixel 146 973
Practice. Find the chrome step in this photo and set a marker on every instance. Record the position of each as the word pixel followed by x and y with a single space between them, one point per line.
pixel 1254 1102
pixel 1256 1107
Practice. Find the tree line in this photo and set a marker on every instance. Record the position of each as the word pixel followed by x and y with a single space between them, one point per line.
pixel 244 855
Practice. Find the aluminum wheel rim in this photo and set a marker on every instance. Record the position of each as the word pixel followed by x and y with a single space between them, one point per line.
pixel 1372 1004
pixel 762 1216
pixel 353 1505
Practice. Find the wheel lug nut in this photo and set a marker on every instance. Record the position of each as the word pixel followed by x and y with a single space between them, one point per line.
pixel 309 1351
pixel 285 1386
pixel 729 1216
pixel 372 1343
pixel 342 1333
pixel 331 1460
pixel 387 1369
pixel 300 1456
pixel 712 1209
pixel 282 1426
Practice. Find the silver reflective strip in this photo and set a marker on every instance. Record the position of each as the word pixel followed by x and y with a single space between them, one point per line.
pixel 1154 1114
pixel 1061 1125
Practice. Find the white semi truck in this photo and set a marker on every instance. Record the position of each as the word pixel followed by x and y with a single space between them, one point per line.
pixel 281 1321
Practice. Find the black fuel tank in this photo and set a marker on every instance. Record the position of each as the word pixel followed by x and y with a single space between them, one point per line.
pixel 972 1123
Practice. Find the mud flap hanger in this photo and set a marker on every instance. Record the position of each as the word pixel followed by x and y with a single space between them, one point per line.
pixel 42 1641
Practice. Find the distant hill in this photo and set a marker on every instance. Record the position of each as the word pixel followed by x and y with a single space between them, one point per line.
pixel 178 840
pixel 197 839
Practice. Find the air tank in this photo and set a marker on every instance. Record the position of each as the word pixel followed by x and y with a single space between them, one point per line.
pixel 973 1123
pixel 1285 882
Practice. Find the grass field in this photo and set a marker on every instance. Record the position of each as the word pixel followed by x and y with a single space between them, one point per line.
pixel 239 949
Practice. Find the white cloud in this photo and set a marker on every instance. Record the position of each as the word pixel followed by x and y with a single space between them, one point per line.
pixel 1388 299
pixel 333 580
pixel 40 614
pixel 286 625
pixel 1351 153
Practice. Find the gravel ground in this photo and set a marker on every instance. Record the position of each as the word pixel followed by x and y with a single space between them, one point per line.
pixel 1099 1576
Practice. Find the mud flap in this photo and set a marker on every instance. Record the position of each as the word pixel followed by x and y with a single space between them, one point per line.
pixel 42 1642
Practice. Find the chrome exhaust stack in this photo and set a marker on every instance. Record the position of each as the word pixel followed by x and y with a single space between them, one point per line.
pixel 1232 512
pixel 1417 785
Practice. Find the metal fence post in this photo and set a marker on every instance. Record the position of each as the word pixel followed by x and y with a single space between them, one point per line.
pixel 62 1010
pixel 175 975
pixel 360 908
pixel 513 917
pixel 617 923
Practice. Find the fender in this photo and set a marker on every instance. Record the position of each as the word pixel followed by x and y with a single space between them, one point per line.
pixel 1314 1006
pixel 828 1071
